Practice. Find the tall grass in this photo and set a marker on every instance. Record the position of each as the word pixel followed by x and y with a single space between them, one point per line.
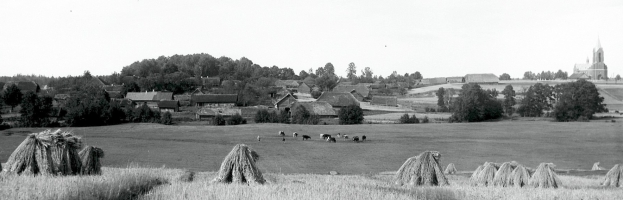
pixel 126 183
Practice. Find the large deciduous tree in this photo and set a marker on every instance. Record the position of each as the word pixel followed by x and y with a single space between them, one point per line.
pixel 352 114
pixel 505 76
pixel 12 96
pixel 475 104
pixel 538 98
pixel 351 71
pixel 35 110
pixel 578 99
pixel 440 98
pixel 509 99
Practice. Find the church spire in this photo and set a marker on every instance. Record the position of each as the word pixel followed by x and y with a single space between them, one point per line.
pixel 598 44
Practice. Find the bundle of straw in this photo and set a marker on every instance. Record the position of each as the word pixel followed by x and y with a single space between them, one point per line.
pixel 90 158
pixel 423 169
pixel 614 176
pixel 450 169
pixel 486 175
pixel 473 179
pixel 239 167
pixel 503 176
pixel 520 176
pixel 597 167
pixel 46 153
pixel 545 177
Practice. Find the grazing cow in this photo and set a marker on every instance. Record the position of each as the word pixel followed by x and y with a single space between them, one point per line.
pixel 258 138
pixel 324 136
pixel 331 140
pixel 345 137
pixel 355 139
pixel 283 139
pixel 295 134
pixel 306 137
pixel 281 133
pixel 363 138
pixel 338 135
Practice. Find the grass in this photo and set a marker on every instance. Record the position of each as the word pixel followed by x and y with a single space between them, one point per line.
pixel 202 148
pixel 125 183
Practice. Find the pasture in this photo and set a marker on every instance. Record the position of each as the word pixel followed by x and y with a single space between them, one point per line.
pixel 202 148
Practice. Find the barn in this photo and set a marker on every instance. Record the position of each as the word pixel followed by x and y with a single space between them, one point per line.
pixel 338 100
pixel 214 100
pixel 149 98
pixel 211 81
pixel 291 85
pixel 576 76
pixel 24 86
pixel 482 78
pixel 384 101
pixel 304 88
pixel 322 109
pixel 362 89
pixel 456 79
pixel 209 113
pixel 285 103
pixel 169 106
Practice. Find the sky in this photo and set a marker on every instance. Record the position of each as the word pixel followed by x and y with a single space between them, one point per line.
pixel 436 38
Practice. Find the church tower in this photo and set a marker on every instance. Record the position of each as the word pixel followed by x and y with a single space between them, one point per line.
pixel 598 53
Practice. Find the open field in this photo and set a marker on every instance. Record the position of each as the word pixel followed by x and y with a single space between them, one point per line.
pixel 162 183
pixel 569 145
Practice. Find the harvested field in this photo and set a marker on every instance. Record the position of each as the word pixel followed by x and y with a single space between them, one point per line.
pixel 574 145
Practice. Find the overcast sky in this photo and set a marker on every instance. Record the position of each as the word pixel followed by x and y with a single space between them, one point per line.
pixel 437 38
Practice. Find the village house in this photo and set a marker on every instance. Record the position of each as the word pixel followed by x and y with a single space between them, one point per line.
pixel 361 90
pixel 24 86
pixel 319 108
pixel 149 98
pixel 169 106
pixel 214 100
pixel 210 113
pixel 285 103
pixel 123 103
pixel 456 79
pixel 338 100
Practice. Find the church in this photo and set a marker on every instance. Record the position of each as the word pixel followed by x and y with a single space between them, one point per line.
pixel 594 71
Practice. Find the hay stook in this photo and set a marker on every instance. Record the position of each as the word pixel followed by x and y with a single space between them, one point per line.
pixel 486 175
pixel 450 169
pixel 614 176
pixel 90 159
pixel 474 176
pixel 545 177
pixel 503 176
pixel 423 169
pixel 239 167
pixel 520 176
pixel 46 153
pixel 597 167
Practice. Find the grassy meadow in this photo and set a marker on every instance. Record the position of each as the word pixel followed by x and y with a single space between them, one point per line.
pixel 574 145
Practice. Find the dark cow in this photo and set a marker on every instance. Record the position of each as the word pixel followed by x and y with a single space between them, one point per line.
pixel 281 133
pixel 332 139
pixel 324 136
pixel 306 137
pixel 356 139
pixel 295 134
pixel 363 138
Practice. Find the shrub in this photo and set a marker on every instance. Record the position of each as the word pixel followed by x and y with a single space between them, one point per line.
pixel 218 120
pixel 316 94
pixel 405 119
pixel 235 120
pixel 425 120
pixel 352 114
pixel 167 118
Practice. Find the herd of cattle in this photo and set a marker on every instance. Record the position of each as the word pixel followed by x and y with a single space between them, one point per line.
pixel 326 137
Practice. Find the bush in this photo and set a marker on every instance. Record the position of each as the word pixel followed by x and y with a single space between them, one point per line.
pixel 405 119
pixel 425 120
pixel 218 120
pixel 352 114
pixel 167 118
pixel 145 114
pixel 265 116
pixel 316 94
pixel 236 119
